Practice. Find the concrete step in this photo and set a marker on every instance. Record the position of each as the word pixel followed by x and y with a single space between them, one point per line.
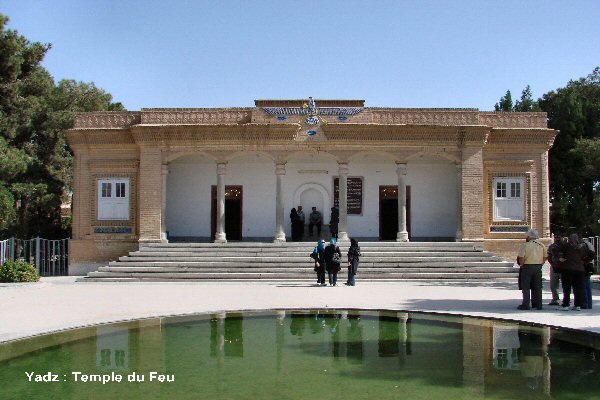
pixel 363 264
pixel 284 276
pixel 303 254
pixel 305 259
pixel 121 269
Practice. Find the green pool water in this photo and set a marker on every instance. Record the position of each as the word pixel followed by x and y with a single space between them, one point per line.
pixel 345 354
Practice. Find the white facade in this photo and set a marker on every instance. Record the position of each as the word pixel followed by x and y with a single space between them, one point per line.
pixel 308 181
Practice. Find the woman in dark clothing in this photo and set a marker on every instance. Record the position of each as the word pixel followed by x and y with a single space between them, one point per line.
pixel 319 256
pixel 334 221
pixel 333 258
pixel 353 256
pixel 573 272
pixel 294 219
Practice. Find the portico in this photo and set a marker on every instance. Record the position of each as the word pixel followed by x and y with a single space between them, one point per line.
pixel 458 174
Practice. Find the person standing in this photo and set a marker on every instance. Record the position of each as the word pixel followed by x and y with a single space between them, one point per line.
pixel 589 258
pixel 555 264
pixel 334 221
pixel 532 255
pixel 294 221
pixel 573 272
pixel 353 257
pixel 301 220
pixel 333 258
pixel 315 219
pixel 318 255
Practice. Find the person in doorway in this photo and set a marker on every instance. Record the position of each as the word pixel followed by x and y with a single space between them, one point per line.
pixel 531 257
pixel 555 264
pixel 318 255
pixel 573 272
pixel 294 222
pixel 333 258
pixel 315 219
pixel 353 256
pixel 301 221
pixel 334 221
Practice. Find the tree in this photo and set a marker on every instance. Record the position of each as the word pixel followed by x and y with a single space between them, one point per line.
pixel 526 103
pixel 505 104
pixel 35 160
pixel 574 188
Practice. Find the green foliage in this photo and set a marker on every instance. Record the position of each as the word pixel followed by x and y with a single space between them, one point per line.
pixel 35 160
pixel 574 180
pixel 526 103
pixel 18 271
pixel 505 104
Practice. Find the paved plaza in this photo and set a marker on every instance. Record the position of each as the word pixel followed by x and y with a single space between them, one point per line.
pixel 61 303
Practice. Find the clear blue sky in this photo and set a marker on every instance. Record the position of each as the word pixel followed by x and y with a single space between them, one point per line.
pixel 390 53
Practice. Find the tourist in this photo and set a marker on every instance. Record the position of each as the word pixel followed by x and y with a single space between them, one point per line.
pixel 554 260
pixel 318 255
pixel 353 256
pixel 572 272
pixel 588 260
pixel 334 221
pixel 315 219
pixel 532 255
pixel 333 258
pixel 301 220
pixel 294 222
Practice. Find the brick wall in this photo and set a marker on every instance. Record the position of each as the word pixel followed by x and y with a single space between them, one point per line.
pixel 472 194
pixel 150 194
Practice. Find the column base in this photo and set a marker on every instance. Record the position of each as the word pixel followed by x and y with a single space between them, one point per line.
pixel 343 237
pixel 279 238
pixel 459 236
pixel 220 238
pixel 402 237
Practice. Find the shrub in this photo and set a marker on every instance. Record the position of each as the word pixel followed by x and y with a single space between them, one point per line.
pixel 18 271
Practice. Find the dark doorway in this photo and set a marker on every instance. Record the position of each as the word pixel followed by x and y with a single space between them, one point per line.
pixel 388 212
pixel 233 212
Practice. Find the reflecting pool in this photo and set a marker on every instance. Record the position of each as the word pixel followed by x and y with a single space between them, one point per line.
pixel 316 354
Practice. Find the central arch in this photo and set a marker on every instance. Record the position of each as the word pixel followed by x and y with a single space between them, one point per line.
pixel 313 195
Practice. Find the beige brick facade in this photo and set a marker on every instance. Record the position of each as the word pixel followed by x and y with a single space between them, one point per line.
pixel 136 145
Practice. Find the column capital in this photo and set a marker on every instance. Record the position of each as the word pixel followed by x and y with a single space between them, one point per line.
pixel 343 168
pixel 280 168
pixel 221 168
pixel 401 168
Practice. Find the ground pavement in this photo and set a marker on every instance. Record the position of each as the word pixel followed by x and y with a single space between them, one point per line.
pixel 61 303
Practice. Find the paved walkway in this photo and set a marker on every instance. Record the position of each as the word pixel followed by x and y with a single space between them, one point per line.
pixel 60 303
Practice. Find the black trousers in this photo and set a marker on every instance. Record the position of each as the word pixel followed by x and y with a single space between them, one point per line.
pixel 531 282
pixel 576 280
pixel 310 228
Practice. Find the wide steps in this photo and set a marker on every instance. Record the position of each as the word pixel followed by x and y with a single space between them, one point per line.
pixel 380 261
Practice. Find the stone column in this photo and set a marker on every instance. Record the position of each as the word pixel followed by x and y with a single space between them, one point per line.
pixel 343 202
pixel 220 233
pixel 545 196
pixel 402 235
pixel 279 211
pixel 163 213
pixel 150 195
pixel 459 232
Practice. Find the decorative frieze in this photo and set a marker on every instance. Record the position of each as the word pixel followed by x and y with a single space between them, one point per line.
pixel 424 116
pixel 196 116
pixel 513 119
pixel 106 120
pixel 542 137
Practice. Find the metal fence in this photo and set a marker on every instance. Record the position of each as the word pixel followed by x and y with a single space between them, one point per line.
pixel 51 257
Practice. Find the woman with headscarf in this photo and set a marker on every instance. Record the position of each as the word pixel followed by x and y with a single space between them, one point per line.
pixel 318 255
pixel 334 222
pixel 353 256
pixel 333 258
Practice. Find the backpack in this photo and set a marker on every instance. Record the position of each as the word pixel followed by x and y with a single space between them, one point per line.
pixel 314 254
pixel 336 258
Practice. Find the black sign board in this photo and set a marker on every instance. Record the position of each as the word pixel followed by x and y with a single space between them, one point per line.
pixel 355 194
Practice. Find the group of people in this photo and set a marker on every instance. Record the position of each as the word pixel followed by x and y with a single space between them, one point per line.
pixel 329 259
pixel 571 262
pixel 315 219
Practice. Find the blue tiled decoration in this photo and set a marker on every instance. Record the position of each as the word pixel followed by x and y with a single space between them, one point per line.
pixel 321 111
pixel 342 117
pixel 311 133
pixel 281 117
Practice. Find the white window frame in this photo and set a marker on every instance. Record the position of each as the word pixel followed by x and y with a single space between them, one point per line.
pixel 111 207
pixel 513 201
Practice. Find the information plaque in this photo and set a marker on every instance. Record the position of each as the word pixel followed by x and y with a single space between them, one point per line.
pixel 355 194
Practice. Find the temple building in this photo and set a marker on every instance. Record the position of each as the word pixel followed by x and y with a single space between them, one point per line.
pixel 234 174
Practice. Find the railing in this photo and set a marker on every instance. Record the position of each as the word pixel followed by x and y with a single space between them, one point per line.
pixel 51 257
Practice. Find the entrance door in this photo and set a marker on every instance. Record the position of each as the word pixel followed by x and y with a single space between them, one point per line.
pixel 233 212
pixel 388 212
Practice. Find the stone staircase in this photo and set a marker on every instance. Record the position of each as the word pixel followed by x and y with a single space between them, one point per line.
pixel 238 261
